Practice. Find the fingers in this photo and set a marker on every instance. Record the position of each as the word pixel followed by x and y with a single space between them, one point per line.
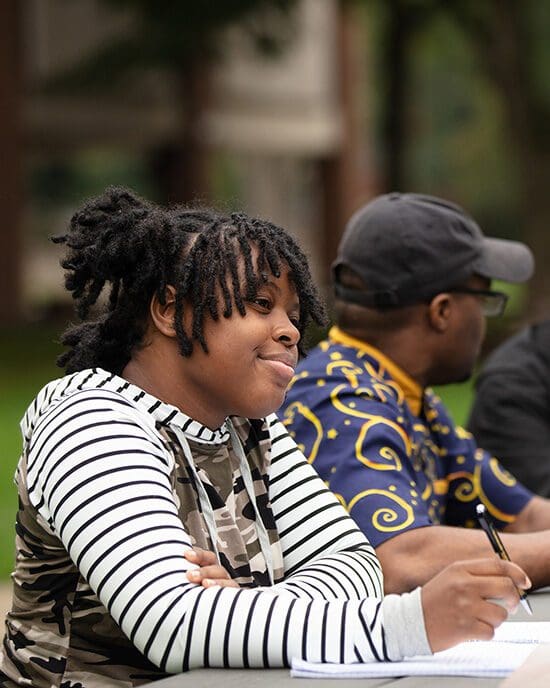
pixel 217 582
pixel 489 614
pixel 499 588
pixel 209 573
pixel 460 602
pixel 493 566
pixel 518 575
pixel 200 557
pixel 499 580
pixel 216 571
pixel 209 576
pixel 481 630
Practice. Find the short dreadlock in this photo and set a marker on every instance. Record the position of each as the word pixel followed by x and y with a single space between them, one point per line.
pixel 135 249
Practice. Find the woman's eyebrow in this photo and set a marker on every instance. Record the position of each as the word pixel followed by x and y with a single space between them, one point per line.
pixel 273 285
pixel 267 282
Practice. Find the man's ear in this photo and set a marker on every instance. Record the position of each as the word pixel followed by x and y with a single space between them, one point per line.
pixel 440 311
pixel 162 314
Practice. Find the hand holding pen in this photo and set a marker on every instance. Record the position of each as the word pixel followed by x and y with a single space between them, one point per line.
pixel 499 549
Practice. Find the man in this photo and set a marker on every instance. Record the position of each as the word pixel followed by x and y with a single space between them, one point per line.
pixel 511 412
pixel 413 286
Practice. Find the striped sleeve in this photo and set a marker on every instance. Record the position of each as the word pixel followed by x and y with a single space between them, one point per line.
pixel 101 478
pixel 320 541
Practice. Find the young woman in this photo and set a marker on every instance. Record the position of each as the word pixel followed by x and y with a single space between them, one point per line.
pixel 162 438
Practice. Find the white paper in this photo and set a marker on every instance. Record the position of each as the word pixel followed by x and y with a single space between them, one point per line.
pixel 523 632
pixel 497 658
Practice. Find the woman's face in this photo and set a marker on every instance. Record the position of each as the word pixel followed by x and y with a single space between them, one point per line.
pixel 250 359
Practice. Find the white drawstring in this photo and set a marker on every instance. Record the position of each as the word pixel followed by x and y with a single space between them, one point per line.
pixel 261 530
pixel 206 506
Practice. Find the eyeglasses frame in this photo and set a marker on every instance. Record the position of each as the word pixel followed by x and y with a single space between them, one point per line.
pixel 500 297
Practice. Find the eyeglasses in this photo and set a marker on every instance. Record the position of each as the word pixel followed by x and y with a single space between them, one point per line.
pixel 493 303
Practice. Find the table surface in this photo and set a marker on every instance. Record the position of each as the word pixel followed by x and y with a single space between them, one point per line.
pixel 280 678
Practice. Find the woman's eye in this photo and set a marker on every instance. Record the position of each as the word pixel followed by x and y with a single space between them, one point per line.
pixel 262 302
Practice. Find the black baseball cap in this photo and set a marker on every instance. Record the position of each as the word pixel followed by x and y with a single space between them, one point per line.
pixel 408 247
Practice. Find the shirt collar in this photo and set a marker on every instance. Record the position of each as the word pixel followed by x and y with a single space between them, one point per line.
pixel 161 412
pixel 412 391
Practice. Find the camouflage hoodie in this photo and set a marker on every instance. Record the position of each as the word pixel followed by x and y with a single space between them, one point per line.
pixel 58 633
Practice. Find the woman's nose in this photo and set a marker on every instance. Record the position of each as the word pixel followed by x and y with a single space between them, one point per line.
pixel 287 332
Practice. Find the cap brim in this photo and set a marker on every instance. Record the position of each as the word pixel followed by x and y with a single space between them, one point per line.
pixel 509 261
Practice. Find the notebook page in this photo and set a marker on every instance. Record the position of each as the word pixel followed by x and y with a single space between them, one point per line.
pixel 491 659
pixel 523 632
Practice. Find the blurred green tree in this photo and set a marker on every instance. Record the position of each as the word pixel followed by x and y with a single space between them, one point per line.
pixel 509 42
pixel 512 43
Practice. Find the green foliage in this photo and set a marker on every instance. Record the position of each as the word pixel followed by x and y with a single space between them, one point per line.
pixel 66 180
pixel 475 92
pixel 456 144
pixel 27 361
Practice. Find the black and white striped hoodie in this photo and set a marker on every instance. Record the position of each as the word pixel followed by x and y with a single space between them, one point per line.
pixel 100 480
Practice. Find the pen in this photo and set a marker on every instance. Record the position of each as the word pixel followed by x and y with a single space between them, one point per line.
pixel 498 547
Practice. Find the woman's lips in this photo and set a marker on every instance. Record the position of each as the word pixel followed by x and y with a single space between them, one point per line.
pixel 282 365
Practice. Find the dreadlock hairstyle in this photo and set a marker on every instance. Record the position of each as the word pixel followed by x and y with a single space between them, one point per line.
pixel 133 250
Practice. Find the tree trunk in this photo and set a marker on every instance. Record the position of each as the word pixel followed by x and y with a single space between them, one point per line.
pixel 181 165
pixel 394 110
pixel 10 170
pixel 534 165
pixel 346 181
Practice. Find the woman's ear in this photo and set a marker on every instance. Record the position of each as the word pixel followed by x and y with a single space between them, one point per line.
pixel 162 314
pixel 440 311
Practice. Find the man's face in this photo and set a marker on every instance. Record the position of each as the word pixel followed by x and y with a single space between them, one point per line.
pixel 463 340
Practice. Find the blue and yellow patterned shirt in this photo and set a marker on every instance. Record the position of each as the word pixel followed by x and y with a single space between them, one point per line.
pixel 388 448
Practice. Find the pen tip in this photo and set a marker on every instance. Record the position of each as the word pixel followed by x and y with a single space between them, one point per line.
pixel 480 508
pixel 525 604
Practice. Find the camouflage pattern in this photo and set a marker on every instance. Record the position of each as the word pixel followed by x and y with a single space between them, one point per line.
pixel 59 634
pixel 218 469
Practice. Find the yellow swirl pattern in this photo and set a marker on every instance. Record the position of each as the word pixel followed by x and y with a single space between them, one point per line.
pixel 347 368
pixel 298 376
pixel 468 489
pixel 441 486
pixel 501 474
pixel 462 433
pixel 369 417
pixel 388 389
pixel 428 490
pixel 385 452
pixel 472 488
pixel 371 370
pixel 384 519
pixel 491 508
pixel 305 412
pixel 428 444
pixel 338 497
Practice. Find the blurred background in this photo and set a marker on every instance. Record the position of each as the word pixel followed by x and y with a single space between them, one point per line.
pixel 294 110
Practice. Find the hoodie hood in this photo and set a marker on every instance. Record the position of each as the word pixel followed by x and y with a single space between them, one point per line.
pixel 153 414
pixel 156 411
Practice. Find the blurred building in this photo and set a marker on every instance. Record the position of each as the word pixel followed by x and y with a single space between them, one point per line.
pixel 289 131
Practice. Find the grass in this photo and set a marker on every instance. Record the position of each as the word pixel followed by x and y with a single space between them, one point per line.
pixel 27 361
pixel 458 399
